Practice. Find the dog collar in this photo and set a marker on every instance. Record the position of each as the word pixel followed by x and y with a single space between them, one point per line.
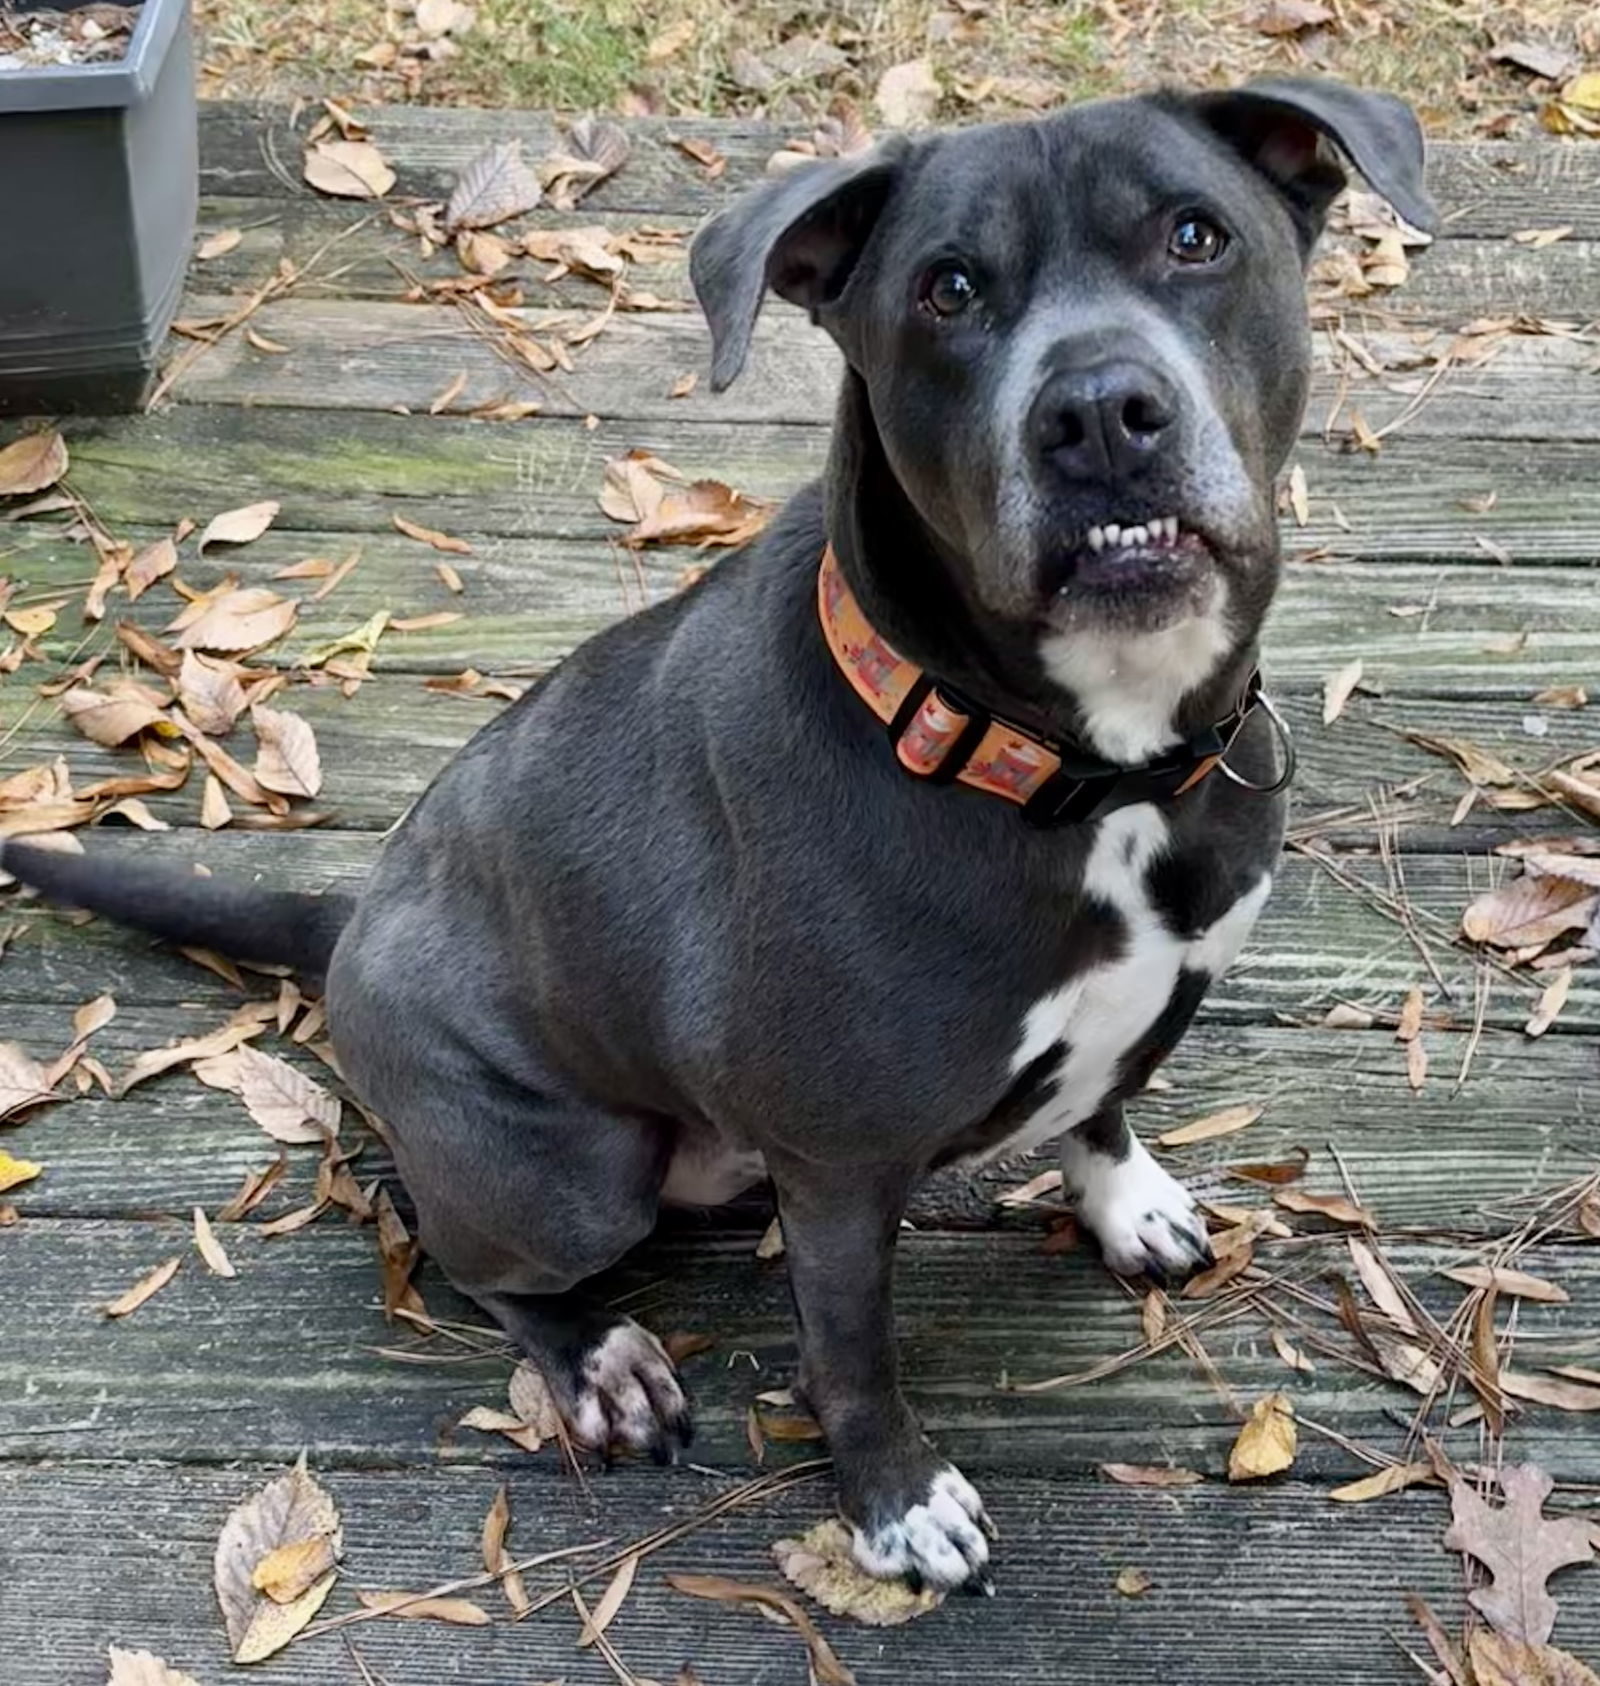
pixel 944 737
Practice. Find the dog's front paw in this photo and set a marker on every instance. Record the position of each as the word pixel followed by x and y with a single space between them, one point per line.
pixel 938 1538
pixel 1145 1220
pixel 628 1397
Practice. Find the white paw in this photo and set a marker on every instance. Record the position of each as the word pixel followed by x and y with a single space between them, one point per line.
pixel 941 1542
pixel 1145 1221
pixel 629 1396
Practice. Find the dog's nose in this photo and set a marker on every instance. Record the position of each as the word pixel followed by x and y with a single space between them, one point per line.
pixel 1104 421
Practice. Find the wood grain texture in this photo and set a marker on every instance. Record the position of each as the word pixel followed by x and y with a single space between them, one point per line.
pixel 286 1355
pixel 1231 1569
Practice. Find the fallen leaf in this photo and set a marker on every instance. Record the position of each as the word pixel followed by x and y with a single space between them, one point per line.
pixel 218 245
pixel 1386 265
pixel 1132 1583
pixel 1551 1001
pixel 822 1564
pixel 703 153
pixel 142 1668
pixel 1562 1395
pixel 425 623
pixel 32 622
pixel 348 169
pixel 15 1172
pixel 1499 1661
pixel 827 1669
pixel 290 1571
pixel 1529 911
pixel 239 526
pixel 684 385
pixel 1539 238
pixel 287 1104
pixel 1562 696
pixel 1334 1206
pixel 907 94
pixel 495 186
pixel 1276 1172
pixel 1291 17
pixel 449 395
pixel 1232 1262
pixel 1214 1124
pixel 210 1249
pixel 286 759
pixel 32 463
pixel 1410 1015
pixel 210 694
pixel 1416 1064
pixel 111 718
pixel 1393 1479
pixel 24 1082
pixel 459 1612
pixel 274 348
pixel 482 253
pixel 611 1601
pixel 214 810
pixel 1150 1475
pixel 398 1257
pixel 1266 1444
pixel 1024 1194
pixel 1552 63
pixel 1342 1016
pixel 289 1510
pixel 1299 497
pixel 595 149
pixel 1291 1354
pixel 235 620
pixel 429 535
pixel 151 1283
pixel 670 41
pixel 1517 1283
pixel 770 1246
pixel 1520 1547
pixel 157 1060
pixel 1336 690
pixel 496 1559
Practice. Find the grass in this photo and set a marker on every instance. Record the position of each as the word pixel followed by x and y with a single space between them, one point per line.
pixel 992 57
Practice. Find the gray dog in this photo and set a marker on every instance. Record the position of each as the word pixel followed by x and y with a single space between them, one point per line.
pixel 911 835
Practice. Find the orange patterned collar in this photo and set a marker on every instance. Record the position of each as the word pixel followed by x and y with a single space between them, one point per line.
pixel 941 736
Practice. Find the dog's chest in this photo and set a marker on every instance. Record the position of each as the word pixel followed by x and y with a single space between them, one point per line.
pixel 1075 1043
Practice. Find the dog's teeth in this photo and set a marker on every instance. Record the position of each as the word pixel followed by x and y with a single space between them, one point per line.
pixel 1097 538
pixel 1132 536
pixel 1171 525
pixel 1112 532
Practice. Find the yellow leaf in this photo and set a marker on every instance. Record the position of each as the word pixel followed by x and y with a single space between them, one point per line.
pixel 1266 1443
pixel 33 622
pixel 15 1172
pixel 288 1510
pixel 289 1571
pixel 822 1564
pixel 1499 1661
pixel 1133 1583
pixel 1584 92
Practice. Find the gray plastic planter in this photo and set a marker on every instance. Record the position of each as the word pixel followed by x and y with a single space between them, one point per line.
pixel 101 179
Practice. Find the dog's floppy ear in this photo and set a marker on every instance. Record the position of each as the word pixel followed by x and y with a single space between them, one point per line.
pixel 1279 124
pixel 799 234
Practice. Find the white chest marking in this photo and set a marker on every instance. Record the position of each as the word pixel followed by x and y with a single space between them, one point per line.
pixel 1104 1013
pixel 1129 689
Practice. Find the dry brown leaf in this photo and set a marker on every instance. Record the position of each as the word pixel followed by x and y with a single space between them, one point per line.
pixel 32 463
pixel 1517 1283
pixel 495 186
pixel 214 810
pixel 288 1511
pixel 1291 1354
pixel 430 535
pixel 287 1104
pixel 705 512
pixel 286 759
pixel 1375 1278
pixel 611 1601
pixel 15 1172
pixel 1232 1261
pixel 1291 17
pixel 1276 1172
pixel 459 1612
pixel 449 578
pixel 907 94
pixel 211 1249
pixel 670 41
pixel 218 245
pixel 1334 1206
pixel 290 1571
pixel 209 692
pixel 594 150
pixel 826 1667
pixel 1410 1015
pixel 398 1257
pixel 239 526
pixel 1266 1444
pixel 24 1082
pixel 348 169
pixel 142 1668
pixel 1551 1001
pixel 1392 1479
pixel 1562 696
pixel 1561 1394
pixel 496 1559
pixel 1132 1583
pixel 684 385
pixel 1024 1194
pixel 822 1564
pixel 235 620
pixel 1528 912
pixel 482 253
pixel 1150 1475
pixel 1416 1064
pixel 112 717
pixel 1520 1547
pixel 770 1246
pixel 1337 689
pixel 703 153
pixel 1214 1124
pixel 1498 1661
pixel 151 1283
pixel 220 1041
pixel 1299 497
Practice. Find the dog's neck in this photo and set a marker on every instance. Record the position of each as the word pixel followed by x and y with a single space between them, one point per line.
pixel 908 586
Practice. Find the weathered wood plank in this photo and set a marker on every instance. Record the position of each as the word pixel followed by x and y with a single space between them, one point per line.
pixel 1233 1569
pixel 1485 188
pixel 1316 943
pixel 284 1356
pixel 387 356
pixel 350 472
pixel 1514 1130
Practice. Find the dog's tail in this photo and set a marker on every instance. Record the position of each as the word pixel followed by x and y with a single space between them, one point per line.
pixel 280 927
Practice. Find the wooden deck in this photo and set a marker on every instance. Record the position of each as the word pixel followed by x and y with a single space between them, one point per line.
pixel 124 1444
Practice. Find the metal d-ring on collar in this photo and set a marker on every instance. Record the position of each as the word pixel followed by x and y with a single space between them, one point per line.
pixel 1285 737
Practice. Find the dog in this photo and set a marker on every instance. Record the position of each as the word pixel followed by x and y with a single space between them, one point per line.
pixel 910 835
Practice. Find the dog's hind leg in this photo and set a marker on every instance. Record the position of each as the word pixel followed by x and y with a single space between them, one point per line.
pixel 913 1513
pixel 1143 1218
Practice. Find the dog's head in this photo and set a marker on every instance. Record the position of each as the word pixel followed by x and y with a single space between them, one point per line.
pixel 1080 348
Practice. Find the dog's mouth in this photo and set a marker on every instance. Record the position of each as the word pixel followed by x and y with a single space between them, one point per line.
pixel 1153 560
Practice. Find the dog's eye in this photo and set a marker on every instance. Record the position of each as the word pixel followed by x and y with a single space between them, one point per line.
pixel 947 290
pixel 1196 239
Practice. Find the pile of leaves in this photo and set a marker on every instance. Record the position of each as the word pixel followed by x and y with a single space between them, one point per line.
pixel 38 38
